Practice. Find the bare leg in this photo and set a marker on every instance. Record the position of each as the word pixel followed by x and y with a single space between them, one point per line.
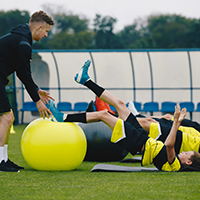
pixel 6 120
pixel 122 110
pixel 146 122
pixel 166 116
pixel 83 78
pixel 8 130
pixel 104 116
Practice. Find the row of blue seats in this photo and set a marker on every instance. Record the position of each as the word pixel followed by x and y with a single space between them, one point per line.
pixel 62 106
pixel 166 107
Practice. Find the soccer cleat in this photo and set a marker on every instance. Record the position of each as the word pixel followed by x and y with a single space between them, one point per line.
pixel 100 104
pixel 83 76
pixel 11 164
pixel 56 113
pixel 5 168
pixel 90 107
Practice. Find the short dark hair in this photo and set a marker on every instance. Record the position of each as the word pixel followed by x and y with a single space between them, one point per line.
pixel 195 158
pixel 41 16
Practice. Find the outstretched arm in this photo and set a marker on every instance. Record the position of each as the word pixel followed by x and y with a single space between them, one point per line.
pixel 170 141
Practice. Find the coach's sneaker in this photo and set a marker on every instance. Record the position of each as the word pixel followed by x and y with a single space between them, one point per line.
pixel 83 76
pixel 5 168
pixel 11 164
pixel 56 113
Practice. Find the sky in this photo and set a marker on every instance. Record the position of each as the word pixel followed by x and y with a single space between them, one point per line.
pixel 125 11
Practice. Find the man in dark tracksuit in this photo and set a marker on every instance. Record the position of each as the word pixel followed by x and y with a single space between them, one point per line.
pixel 15 56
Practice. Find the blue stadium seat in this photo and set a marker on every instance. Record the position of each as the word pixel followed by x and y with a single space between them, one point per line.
pixel 189 106
pixel 138 106
pixel 64 106
pixel 168 107
pixel 80 106
pixel 150 107
pixel 28 106
pixel 198 107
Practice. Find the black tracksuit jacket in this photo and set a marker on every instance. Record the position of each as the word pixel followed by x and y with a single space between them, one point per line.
pixel 15 56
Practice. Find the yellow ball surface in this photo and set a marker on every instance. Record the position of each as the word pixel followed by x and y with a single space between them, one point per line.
pixel 53 146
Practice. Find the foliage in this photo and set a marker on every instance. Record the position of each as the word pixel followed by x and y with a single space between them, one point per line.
pixel 71 23
pixel 11 19
pixel 74 31
pixel 65 40
pixel 162 31
pixel 105 38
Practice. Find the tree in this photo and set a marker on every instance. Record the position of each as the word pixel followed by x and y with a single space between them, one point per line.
pixel 69 32
pixel 71 23
pixel 105 38
pixel 12 18
pixel 64 40
pixel 169 31
pixel 161 31
pixel 192 37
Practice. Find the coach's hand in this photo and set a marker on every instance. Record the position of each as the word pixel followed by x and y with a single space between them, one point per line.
pixel 43 110
pixel 44 96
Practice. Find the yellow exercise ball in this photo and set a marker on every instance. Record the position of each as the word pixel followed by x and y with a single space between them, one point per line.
pixel 53 146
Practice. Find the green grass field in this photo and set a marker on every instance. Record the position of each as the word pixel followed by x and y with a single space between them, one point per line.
pixel 82 184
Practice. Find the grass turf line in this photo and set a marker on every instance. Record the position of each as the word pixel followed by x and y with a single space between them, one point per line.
pixel 82 184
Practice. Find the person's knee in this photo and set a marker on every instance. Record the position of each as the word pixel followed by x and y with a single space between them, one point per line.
pixel 145 123
pixel 120 103
pixel 7 118
pixel 168 116
pixel 102 115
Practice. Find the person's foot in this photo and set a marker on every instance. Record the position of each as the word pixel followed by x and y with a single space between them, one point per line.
pixel 132 108
pixel 11 164
pixel 83 76
pixel 5 168
pixel 90 107
pixel 99 104
pixel 56 113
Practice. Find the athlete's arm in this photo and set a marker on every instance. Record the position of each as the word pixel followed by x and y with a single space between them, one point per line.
pixel 170 141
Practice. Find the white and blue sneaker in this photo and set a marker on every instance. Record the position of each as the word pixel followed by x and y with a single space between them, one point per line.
pixel 83 76
pixel 56 113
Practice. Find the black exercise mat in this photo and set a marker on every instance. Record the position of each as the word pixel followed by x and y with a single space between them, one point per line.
pixel 132 160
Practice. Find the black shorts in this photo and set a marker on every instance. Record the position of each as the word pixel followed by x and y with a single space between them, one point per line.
pixel 4 101
pixel 136 136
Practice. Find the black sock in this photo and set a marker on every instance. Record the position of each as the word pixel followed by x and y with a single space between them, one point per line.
pixel 94 87
pixel 78 117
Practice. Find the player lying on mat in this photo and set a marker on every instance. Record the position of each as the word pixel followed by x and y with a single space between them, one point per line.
pixel 128 133
pixel 187 136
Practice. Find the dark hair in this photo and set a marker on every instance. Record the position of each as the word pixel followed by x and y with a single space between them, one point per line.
pixel 41 16
pixel 195 160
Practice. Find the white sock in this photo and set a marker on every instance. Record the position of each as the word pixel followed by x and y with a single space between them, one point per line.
pixel 132 108
pixel 5 152
pixel 64 117
pixel 1 154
